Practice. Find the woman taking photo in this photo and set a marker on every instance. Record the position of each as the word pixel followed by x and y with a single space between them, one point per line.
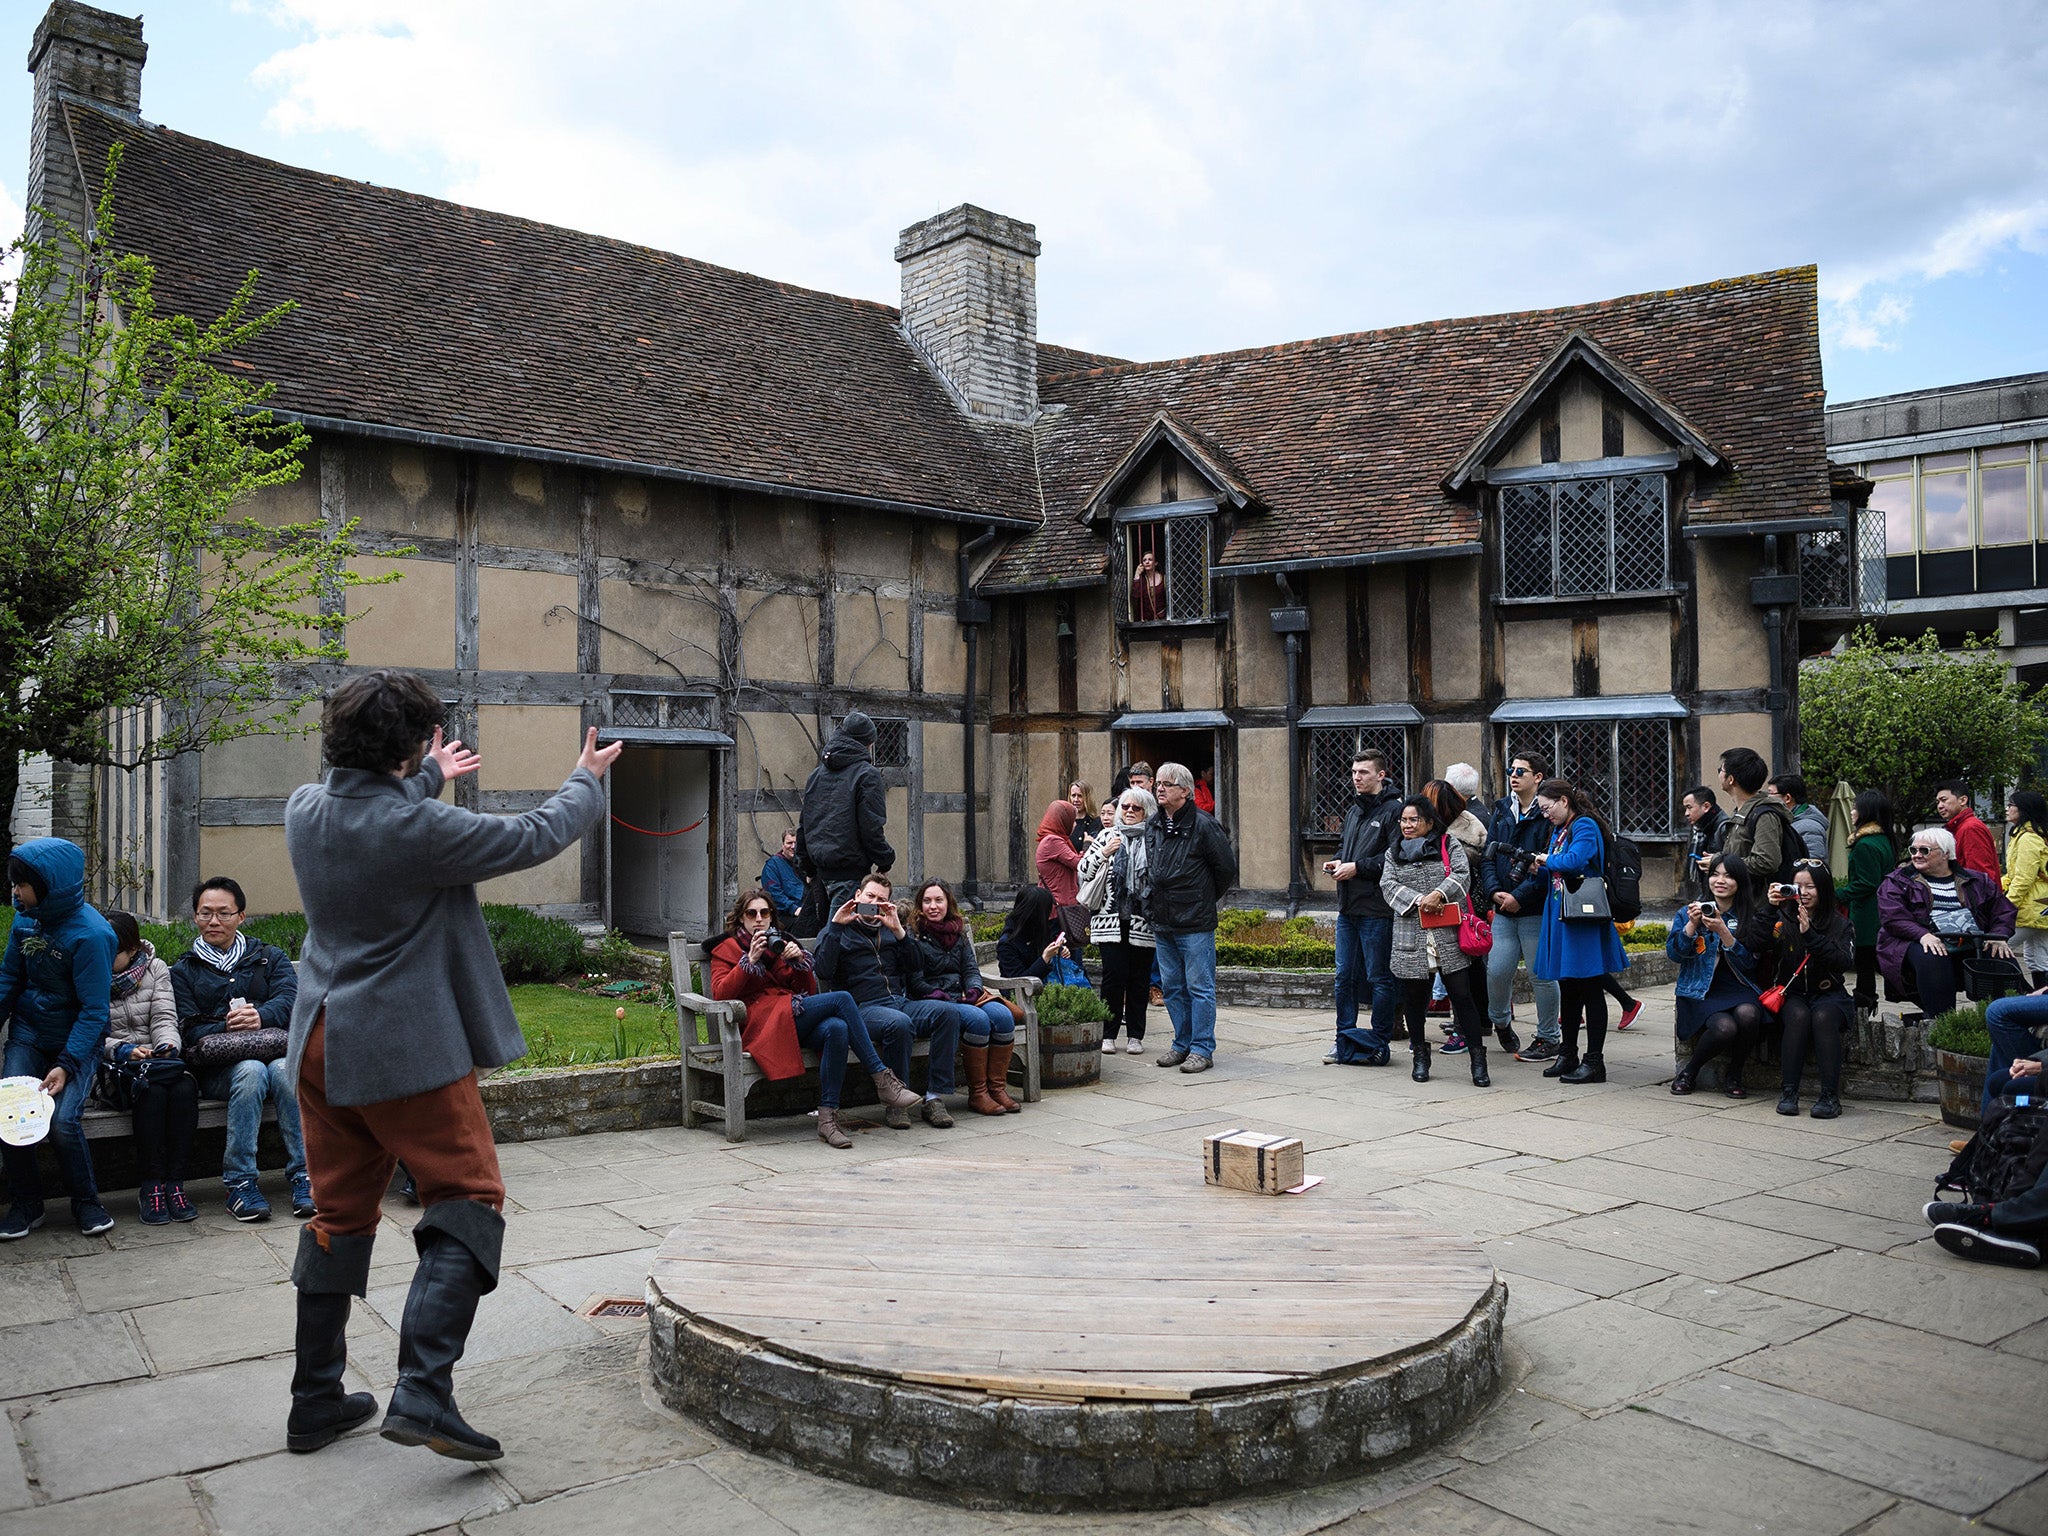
pixel 143 1027
pixel 1577 953
pixel 988 1030
pixel 1815 944
pixel 2026 880
pixel 1031 938
pixel 1425 877
pixel 1722 945
pixel 1871 858
pixel 787 1014
pixel 1113 888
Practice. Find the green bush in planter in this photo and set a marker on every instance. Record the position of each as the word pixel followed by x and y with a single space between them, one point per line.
pixel 1233 921
pixel 531 947
pixel 1647 935
pixel 1304 954
pixel 1071 1005
pixel 1961 1030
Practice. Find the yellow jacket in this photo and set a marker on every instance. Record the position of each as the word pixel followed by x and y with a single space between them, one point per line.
pixel 2026 877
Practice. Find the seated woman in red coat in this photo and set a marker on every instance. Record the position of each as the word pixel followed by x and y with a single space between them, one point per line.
pixel 787 1014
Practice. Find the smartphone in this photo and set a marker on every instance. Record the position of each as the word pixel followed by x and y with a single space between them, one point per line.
pixel 866 909
pixel 1330 866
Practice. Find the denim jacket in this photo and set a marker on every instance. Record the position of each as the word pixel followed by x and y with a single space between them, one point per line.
pixel 1696 964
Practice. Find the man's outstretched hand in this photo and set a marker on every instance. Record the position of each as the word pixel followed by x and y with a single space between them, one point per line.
pixel 452 758
pixel 597 758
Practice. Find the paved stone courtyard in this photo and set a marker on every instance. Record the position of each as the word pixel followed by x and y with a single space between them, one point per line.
pixel 1720 1321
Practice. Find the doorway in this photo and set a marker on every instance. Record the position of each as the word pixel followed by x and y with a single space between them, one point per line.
pixel 1196 750
pixel 661 839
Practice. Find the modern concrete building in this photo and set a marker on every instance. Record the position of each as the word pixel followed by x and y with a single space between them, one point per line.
pixel 709 513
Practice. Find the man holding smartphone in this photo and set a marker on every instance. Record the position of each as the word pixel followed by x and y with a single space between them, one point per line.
pixel 865 952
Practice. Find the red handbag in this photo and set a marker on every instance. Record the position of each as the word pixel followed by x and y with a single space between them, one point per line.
pixel 1774 998
pixel 1475 934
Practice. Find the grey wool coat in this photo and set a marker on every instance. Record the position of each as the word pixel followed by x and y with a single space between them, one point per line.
pixel 1406 884
pixel 396 950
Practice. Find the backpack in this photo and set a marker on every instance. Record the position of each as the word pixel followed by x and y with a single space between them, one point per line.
pixel 2006 1156
pixel 1791 846
pixel 1623 871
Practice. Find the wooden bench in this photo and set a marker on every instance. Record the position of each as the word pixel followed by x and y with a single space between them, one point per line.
pixel 102 1123
pixel 718 1072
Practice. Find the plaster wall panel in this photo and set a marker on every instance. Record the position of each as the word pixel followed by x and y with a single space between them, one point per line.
pixel 779 637
pixel 1387 597
pixel 1733 651
pixel 524 505
pixel 659 521
pixel 1261 662
pixel 943 764
pixel 1097 769
pixel 1527 448
pixel 1143 663
pixel 1639 437
pixel 1095 641
pixel 1454 628
pixel 1578 420
pixel 778 536
pixel 1042 783
pixel 1041 619
pixel 527 746
pixel 1539 658
pixel 1719 733
pixel 945 654
pixel 865 544
pixel 874 641
pixel 397 488
pixel 1198 688
pixel 899 831
pixel 1262 807
pixel 945 848
pixel 407 623
pixel 262 767
pixel 526 621
pixel 774 751
pixel 1635 653
pixel 557 882
pixel 1457 742
pixel 296 501
pixel 256 858
pixel 657 629
pixel 1327 678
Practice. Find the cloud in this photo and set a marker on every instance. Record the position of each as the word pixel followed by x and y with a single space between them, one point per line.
pixel 1227 174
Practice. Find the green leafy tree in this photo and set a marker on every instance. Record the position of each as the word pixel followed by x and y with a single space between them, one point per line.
pixel 128 437
pixel 1903 715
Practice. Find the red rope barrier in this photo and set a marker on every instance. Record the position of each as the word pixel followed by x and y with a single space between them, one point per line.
pixel 679 831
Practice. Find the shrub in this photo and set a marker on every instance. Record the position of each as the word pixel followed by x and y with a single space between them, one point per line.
pixel 530 947
pixel 1071 1005
pixel 1293 954
pixel 1961 1030
pixel 1233 922
pixel 987 927
pixel 614 952
pixel 1647 936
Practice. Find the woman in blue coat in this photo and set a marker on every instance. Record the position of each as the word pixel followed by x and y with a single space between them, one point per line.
pixel 1576 953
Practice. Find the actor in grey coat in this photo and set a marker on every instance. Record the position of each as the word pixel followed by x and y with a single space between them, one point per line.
pixel 400 1001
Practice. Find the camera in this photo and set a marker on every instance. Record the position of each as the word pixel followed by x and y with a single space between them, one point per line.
pixel 1520 861
pixel 1783 892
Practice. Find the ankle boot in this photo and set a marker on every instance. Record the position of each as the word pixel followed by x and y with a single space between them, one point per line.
pixel 1420 1070
pixel 326 1278
pixel 1591 1070
pixel 452 1276
pixel 829 1131
pixel 1567 1063
pixel 999 1054
pixel 1477 1052
pixel 974 1058
pixel 890 1090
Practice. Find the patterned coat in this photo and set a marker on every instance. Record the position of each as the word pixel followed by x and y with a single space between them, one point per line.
pixel 1405 884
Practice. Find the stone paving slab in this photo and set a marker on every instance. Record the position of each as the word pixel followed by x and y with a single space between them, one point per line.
pixel 69 1352
pixel 2031 1342
pixel 1800 1218
pixel 1867 1191
pixel 1936 1469
pixel 1595 1273
pixel 240 1325
pixel 1736 1308
pixel 589 1431
pixel 1988 1306
pixel 14 1489
pixel 1530 1299
pixel 1630 1181
pixel 572 1282
pixel 362 1485
pixel 163 1508
pixel 1437 1510
pixel 2025 1513
pixel 518 1318
pixel 136 1277
pixel 1542 1135
pixel 1694 1245
pixel 1606 1352
pixel 34 1293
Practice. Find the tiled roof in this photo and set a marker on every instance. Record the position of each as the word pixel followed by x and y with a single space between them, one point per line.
pixel 426 315
pixel 1347 439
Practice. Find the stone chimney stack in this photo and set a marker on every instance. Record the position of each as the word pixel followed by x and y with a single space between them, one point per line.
pixel 84 52
pixel 970 303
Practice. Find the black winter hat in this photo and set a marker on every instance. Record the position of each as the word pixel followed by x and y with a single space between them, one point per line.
pixel 860 728
pixel 21 872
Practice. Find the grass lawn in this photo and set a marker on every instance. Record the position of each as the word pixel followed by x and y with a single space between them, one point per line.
pixel 562 1026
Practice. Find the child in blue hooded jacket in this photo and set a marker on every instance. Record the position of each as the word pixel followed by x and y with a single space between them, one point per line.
pixel 55 979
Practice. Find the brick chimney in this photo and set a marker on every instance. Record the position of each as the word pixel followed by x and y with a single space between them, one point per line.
pixel 970 303
pixel 84 52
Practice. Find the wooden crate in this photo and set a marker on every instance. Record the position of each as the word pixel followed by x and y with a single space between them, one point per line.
pixel 1243 1159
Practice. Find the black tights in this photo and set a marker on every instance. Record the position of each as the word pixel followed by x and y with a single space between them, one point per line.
pixel 1821 1020
pixel 166 1115
pixel 1465 1015
pixel 1734 1031
pixel 1612 986
pixel 1583 998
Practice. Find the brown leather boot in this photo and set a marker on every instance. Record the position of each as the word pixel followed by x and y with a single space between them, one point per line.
pixel 999 1054
pixel 974 1060
pixel 890 1090
pixel 829 1132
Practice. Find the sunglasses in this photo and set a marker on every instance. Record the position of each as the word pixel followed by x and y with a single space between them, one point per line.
pixel 1921 848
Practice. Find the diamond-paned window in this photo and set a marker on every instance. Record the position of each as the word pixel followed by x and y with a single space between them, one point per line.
pixel 1579 538
pixel 1327 761
pixel 1160 570
pixel 665 711
pixel 1824 569
pixel 1624 767
pixel 892 743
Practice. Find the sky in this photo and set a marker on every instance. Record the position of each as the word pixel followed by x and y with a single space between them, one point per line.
pixel 1203 176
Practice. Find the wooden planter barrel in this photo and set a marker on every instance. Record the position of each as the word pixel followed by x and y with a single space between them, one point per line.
pixel 1961 1079
pixel 1072 1054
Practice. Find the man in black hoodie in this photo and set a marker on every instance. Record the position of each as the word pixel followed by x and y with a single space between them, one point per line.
pixel 842 832
pixel 1365 923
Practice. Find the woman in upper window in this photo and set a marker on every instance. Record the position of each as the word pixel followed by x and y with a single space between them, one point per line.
pixel 1148 591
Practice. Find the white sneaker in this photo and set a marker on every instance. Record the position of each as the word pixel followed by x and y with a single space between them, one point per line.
pixel 1134 1047
pixel 1109 1045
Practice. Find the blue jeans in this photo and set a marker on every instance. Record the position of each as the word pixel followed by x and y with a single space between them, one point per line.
pixel 24 1058
pixel 830 1024
pixel 982 1022
pixel 889 1027
pixel 1515 936
pixel 1365 947
pixel 1187 970
pixel 245 1086
pixel 2011 1021
pixel 941 1023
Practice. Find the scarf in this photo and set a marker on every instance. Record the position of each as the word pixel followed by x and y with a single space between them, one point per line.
pixel 222 960
pixel 1058 820
pixel 125 982
pixel 1130 871
pixel 946 930
pixel 1413 848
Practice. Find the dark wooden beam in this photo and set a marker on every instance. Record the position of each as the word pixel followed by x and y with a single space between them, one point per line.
pixel 1586 658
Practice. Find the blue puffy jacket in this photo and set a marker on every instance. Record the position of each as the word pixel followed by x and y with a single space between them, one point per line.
pixel 58 972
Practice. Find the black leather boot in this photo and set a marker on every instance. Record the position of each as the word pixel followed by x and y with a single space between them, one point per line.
pixel 1476 1051
pixel 1566 1064
pixel 1591 1070
pixel 326 1278
pixel 459 1243
pixel 1420 1071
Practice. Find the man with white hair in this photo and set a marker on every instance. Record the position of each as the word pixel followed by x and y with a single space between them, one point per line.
pixel 1191 864
pixel 1464 778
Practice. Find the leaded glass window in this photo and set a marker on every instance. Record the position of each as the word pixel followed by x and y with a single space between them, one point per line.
pixel 1624 766
pixel 1582 538
pixel 1326 758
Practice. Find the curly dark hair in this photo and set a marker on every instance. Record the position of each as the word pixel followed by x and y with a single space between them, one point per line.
pixel 378 721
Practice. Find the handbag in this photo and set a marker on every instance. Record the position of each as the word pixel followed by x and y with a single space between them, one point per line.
pixel 225 1047
pixel 118 1080
pixel 1450 914
pixel 1773 998
pixel 1587 904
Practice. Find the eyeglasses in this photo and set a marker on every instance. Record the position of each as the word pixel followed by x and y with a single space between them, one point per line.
pixel 1520 773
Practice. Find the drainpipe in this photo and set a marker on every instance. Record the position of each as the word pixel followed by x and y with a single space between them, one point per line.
pixel 1290 623
pixel 970 613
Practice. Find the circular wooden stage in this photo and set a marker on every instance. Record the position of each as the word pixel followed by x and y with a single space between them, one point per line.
pixel 1070 1335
